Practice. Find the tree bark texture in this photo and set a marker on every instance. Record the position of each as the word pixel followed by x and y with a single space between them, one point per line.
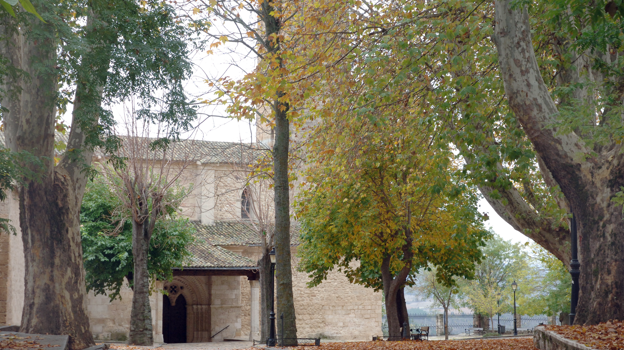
pixel 141 314
pixel 402 307
pixel 446 333
pixel 588 178
pixel 266 295
pixel 392 286
pixel 283 268
pixel 55 293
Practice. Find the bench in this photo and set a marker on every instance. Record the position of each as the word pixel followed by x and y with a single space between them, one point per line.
pixel 474 330
pixel 419 333
pixel 525 330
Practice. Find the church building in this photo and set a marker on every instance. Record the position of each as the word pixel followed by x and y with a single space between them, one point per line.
pixel 216 295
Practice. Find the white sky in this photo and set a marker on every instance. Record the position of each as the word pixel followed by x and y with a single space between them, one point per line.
pixel 500 226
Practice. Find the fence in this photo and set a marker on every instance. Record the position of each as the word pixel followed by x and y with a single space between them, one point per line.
pixel 457 324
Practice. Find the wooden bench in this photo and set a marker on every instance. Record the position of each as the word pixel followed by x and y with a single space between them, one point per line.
pixel 474 330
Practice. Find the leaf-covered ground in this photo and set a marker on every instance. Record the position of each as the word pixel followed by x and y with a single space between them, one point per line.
pixel 493 344
pixel 11 341
pixel 478 344
pixel 605 336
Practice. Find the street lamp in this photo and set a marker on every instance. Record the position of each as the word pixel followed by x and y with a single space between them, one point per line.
pixel 271 339
pixel 514 286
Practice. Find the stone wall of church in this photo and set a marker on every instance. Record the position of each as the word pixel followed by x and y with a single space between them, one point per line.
pixel 336 309
pixel 12 268
pixel 111 320
pixel 225 307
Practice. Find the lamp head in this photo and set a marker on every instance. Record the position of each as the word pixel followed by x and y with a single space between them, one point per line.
pixel 514 285
pixel 272 255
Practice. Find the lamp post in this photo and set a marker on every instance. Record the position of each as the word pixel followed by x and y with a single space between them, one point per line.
pixel 498 313
pixel 575 271
pixel 271 339
pixel 514 286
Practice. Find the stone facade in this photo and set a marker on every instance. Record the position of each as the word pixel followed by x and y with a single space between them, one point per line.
pixel 110 320
pixel 223 304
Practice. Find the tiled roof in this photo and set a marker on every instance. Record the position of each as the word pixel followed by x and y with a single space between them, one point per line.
pixel 224 233
pixel 206 255
pixel 207 152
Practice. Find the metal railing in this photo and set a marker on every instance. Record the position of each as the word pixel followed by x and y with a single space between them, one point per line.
pixel 457 324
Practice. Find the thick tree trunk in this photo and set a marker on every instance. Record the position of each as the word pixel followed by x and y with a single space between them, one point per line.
pixel 392 315
pixel 54 293
pixel 402 308
pixel 392 287
pixel 266 293
pixel 589 179
pixel 141 314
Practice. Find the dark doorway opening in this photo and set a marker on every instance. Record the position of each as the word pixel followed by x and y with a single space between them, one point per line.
pixel 174 320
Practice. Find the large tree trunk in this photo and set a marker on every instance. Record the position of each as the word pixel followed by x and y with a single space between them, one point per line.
pixel 402 307
pixel 588 178
pixel 266 293
pixel 284 295
pixel 141 314
pixel 54 293
pixel 392 286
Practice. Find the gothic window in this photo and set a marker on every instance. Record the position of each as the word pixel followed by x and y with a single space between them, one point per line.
pixel 246 204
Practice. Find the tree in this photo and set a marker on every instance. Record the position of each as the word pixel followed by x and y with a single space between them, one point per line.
pixel 504 104
pixel 556 284
pixel 26 5
pixel 107 242
pixel 443 294
pixel 381 203
pixel 264 93
pixel 145 184
pixel 77 53
pixel 245 192
pixel 486 299
pixel 585 157
pixel 503 263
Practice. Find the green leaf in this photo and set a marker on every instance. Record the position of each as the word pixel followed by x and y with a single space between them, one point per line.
pixel 468 90
pixel 28 6
pixel 7 7
pixel 11 2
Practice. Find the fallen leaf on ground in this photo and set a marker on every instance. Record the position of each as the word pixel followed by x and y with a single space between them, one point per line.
pixel 604 336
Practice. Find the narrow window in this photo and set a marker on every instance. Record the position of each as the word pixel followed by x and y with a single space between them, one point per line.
pixel 246 204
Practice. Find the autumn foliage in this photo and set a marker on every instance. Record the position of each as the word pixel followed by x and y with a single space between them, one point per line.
pixel 604 336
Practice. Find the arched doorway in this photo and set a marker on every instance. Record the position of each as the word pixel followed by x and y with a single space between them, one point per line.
pixel 174 320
